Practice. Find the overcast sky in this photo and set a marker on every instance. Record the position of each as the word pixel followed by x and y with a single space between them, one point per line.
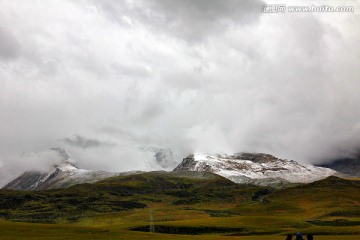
pixel 102 78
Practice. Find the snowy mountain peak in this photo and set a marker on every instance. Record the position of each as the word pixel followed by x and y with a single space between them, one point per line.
pixel 258 168
pixel 66 166
pixel 253 157
pixel 62 174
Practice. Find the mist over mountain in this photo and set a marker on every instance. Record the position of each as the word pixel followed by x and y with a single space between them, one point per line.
pixel 101 79
pixel 350 166
pixel 62 175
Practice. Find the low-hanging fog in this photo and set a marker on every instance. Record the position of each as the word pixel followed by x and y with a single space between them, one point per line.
pixel 104 78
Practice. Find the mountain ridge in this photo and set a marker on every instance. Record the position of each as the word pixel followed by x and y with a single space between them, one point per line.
pixel 255 168
pixel 243 168
pixel 62 175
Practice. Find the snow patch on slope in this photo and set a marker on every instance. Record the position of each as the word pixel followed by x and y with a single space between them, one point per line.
pixel 63 174
pixel 249 167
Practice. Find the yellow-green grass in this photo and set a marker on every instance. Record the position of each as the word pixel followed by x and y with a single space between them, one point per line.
pixel 329 209
pixel 11 230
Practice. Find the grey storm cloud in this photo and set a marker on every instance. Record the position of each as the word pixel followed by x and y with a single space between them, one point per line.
pixel 82 142
pixel 9 47
pixel 190 76
pixel 191 20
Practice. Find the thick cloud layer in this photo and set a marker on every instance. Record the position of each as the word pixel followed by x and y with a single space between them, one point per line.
pixel 105 78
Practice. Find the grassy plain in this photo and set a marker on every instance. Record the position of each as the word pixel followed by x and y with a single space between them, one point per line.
pixel 213 208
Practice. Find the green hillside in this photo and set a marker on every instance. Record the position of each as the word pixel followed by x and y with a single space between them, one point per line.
pixel 205 206
pixel 118 194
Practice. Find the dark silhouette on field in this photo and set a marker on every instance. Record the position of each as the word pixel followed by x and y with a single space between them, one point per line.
pixel 288 237
pixel 299 236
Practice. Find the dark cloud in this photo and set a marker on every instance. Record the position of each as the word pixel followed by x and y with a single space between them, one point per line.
pixel 9 46
pixel 85 143
pixel 165 158
pixel 195 20
pixel 190 20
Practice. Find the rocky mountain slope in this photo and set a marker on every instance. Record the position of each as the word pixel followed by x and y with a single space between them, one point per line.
pixel 260 169
pixel 61 175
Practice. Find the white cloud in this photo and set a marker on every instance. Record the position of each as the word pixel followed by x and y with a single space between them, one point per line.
pixel 191 76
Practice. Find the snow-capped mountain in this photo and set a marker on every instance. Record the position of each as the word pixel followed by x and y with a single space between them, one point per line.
pixel 62 175
pixel 256 168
